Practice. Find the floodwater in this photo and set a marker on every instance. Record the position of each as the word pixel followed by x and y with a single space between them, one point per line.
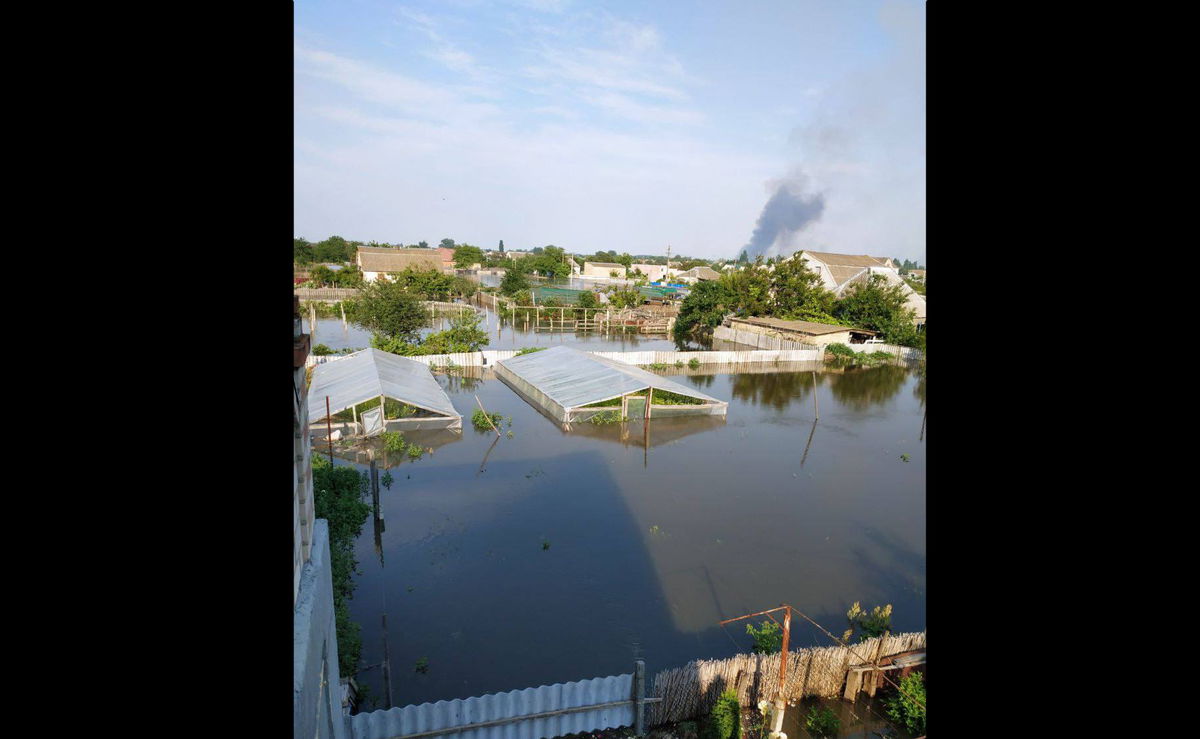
pixel 556 556
pixel 507 335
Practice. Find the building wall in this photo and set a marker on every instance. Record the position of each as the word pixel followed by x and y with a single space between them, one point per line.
pixel 654 271
pixel 303 513
pixel 316 684
pixel 590 269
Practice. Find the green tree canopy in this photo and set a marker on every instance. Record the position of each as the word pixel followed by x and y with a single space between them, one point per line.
pixel 874 304
pixel 514 282
pixel 465 255
pixel 302 251
pixel 447 243
pixel 423 244
pixel 388 309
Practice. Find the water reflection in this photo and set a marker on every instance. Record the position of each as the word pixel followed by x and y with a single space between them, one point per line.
pixel 860 389
pixel 776 390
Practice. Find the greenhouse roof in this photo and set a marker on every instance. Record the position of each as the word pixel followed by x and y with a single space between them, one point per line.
pixel 366 375
pixel 573 378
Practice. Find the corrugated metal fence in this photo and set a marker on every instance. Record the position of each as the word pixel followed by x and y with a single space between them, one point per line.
pixel 534 713
pixel 326 293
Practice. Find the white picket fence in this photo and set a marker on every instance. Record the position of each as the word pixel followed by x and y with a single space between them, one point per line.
pixel 489 357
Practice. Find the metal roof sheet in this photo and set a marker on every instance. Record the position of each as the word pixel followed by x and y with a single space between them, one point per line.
pixel 573 378
pixel 370 373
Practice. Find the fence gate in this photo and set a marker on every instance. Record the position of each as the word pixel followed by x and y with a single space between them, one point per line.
pixel 372 421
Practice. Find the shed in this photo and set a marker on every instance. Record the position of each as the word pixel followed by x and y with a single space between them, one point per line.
pixel 806 332
pixel 368 378
pixel 567 384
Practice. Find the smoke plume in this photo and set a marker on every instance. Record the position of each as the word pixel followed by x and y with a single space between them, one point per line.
pixel 788 211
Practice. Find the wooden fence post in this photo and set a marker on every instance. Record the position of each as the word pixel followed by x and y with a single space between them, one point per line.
pixel 639 697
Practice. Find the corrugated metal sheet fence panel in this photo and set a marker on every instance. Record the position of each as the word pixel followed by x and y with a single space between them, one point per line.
pixel 402 722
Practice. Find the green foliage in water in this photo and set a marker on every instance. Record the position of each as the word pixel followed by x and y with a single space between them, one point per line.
pixel 907 705
pixel 393 441
pixel 422 665
pixel 869 624
pixel 387 479
pixel 338 497
pixel 822 722
pixel 530 350
pixel 694 363
pixel 605 418
pixel 768 638
pixel 725 721
pixel 514 282
pixel 658 366
pixel 479 419
pixel 321 350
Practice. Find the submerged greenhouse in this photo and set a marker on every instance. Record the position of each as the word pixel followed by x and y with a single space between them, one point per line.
pixel 372 391
pixel 569 385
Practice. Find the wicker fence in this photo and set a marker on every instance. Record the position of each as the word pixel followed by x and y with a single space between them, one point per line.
pixel 692 690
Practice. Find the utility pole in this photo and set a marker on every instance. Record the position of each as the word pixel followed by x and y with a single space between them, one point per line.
pixel 780 699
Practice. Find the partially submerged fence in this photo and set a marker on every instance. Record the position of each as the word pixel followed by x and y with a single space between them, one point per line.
pixel 693 689
pixel 762 341
pixel 534 713
pixel 489 357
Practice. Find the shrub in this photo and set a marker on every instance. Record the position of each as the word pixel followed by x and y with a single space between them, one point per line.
pixel 870 624
pixel 530 350
pixel 607 417
pixel 822 722
pixel 839 350
pixel 694 363
pixel 480 419
pixel 768 639
pixel 908 709
pixel 322 350
pixel 393 441
pixel 725 720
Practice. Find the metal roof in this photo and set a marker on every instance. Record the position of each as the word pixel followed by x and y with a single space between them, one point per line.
pixel 573 378
pixel 367 374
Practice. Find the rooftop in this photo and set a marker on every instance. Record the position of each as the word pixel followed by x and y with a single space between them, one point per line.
pixel 803 327
pixel 366 375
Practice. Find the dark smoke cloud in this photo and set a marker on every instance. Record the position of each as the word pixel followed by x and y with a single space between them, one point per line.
pixel 787 212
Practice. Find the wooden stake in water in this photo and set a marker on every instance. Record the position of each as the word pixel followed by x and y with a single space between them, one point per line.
pixel 329 429
pixel 816 408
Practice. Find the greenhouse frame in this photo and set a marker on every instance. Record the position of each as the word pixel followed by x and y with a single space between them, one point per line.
pixel 562 381
pixel 372 374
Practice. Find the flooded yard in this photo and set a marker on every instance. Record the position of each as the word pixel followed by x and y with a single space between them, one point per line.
pixel 552 556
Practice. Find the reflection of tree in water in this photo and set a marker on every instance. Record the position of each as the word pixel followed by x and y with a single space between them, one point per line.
pixel 702 380
pixel 458 383
pixel 919 387
pixel 863 388
pixel 775 389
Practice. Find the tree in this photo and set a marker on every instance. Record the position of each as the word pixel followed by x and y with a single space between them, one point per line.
pixel 302 251
pixel 423 244
pixel 514 282
pixel 704 307
pixel 878 306
pixel 744 258
pixel 501 246
pixel 587 299
pixel 333 249
pixel 321 276
pixel 447 243
pixel 869 624
pixel 797 293
pixel 466 255
pixel 464 335
pixel 387 309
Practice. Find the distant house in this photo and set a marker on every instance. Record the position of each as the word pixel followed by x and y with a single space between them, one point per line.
pixel 805 332
pixel 917 274
pixel 840 271
pixel 655 272
pixel 517 254
pixel 696 274
pixel 602 269
pixel 375 261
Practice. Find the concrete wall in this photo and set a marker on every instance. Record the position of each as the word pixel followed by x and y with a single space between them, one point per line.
pixel 590 269
pixel 316 685
pixel 654 271
pixel 302 495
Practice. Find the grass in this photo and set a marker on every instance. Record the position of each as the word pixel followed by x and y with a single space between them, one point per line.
pixel 661 397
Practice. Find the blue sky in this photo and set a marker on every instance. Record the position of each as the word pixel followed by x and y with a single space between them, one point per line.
pixel 610 125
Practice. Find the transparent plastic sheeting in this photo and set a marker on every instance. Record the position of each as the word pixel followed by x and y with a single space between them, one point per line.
pixel 572 378
pixel 370 373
